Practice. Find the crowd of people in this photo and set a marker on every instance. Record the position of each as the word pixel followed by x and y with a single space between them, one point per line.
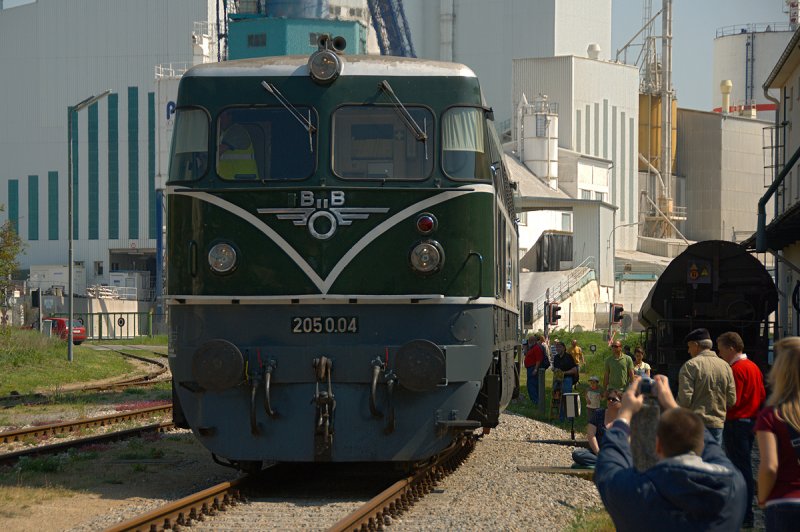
pixel 704 478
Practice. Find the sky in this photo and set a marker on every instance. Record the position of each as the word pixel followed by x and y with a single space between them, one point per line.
pixel 694 25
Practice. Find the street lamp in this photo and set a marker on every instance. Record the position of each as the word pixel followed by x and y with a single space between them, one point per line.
pixel 70 117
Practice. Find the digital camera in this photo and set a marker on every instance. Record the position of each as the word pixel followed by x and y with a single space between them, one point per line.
pixel 646 387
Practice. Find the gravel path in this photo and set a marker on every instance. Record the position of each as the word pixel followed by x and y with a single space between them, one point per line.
pixel 493 491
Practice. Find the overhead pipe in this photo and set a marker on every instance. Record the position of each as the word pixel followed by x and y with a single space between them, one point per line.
pixel 761 231
pixel 653 169
pixel 666 218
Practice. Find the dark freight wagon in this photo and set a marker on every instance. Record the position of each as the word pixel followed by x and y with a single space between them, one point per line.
pixel 714 284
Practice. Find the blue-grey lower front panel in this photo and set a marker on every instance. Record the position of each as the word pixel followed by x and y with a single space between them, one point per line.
pixel 270 335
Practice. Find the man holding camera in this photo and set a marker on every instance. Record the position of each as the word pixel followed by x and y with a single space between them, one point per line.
pixel 692 487
pixel 705 383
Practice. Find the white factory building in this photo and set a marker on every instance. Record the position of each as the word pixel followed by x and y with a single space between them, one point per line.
pixel 56 53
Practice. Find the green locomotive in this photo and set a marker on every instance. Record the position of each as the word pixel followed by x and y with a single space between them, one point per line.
pixel 341 258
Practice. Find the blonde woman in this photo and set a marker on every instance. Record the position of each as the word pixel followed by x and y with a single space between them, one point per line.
pixel 777 425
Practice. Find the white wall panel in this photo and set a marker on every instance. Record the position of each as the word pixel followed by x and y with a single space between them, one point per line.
pixel 54 54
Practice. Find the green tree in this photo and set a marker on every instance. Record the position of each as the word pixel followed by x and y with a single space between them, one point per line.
pixel 10 247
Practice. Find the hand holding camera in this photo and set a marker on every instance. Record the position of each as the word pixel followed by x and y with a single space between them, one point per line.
pixel 642 387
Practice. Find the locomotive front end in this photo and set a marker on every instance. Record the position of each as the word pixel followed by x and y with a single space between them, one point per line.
pixel 342 259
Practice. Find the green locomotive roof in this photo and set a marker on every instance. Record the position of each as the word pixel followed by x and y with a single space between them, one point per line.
pixel 353 65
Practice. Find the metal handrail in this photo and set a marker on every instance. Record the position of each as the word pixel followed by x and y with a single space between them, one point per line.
pixel 758 27
pixel 576 280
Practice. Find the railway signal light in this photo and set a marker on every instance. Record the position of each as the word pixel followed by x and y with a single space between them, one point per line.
pixel 527 314
pixel 616 313
pixel 554 314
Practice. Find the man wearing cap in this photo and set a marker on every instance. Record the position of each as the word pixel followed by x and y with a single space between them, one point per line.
pixel 705 383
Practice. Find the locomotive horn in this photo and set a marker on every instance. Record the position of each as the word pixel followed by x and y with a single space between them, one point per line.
pixel 339 44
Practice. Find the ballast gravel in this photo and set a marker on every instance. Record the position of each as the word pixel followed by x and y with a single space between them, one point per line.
pixel 494 489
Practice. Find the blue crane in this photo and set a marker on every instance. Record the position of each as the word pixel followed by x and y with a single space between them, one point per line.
pixel 391 27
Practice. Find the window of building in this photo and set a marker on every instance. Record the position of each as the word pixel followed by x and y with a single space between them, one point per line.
pixel 600 196
pixel 523 218
pixel 566 221
pixel 586 194
pixel 115 266
pixel 257 40
pixel 98 267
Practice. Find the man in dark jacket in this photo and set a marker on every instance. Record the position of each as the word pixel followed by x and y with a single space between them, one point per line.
pixel 693 487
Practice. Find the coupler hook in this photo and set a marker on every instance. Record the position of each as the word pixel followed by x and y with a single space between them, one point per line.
pixel 377 366
pixel 324 400
pixel 268 369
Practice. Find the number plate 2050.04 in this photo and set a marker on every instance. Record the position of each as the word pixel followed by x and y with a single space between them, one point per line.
pixel 324 324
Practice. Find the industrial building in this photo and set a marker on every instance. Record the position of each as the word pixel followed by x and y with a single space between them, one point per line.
pixel 456 30
pixel 745 55
pixel 781 237
pixel 600 156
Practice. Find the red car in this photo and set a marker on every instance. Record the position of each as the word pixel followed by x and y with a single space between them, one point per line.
pixel 58 327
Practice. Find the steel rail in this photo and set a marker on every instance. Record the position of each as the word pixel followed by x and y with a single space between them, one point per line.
pixel 182 512
pixel 7 458
pixel 11 436
pixel 397 498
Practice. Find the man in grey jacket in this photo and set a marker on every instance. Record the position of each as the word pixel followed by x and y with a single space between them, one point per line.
pixel 705 383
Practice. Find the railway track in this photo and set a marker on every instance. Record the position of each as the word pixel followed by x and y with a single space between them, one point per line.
pixel 150 377
pixel 377 512
pixel 73 427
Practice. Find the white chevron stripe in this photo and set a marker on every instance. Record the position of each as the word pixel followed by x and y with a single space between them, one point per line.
pixel 324 285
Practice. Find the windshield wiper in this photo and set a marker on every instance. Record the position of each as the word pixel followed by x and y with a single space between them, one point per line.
pixel 305 122
pixel 404 114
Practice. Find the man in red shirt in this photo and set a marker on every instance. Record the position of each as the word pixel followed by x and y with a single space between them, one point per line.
pixel 740 418
pixel 533 359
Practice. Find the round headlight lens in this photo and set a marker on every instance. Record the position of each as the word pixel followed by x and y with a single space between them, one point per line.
pixel 324 66
pixel 222 258
pixel 427 257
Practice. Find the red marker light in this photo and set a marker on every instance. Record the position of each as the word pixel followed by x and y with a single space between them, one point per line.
pixel 426 223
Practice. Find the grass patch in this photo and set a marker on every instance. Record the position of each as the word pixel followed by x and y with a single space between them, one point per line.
pixel 16 500
pixel 591 520
pixel 30 361
pixel 137 449
pixel 595 363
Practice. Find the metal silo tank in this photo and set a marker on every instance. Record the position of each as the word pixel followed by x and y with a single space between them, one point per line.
pixel 297 8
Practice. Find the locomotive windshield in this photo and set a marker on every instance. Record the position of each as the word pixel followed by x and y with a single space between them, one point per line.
pixel 190 145
pixel 371 142
pixel 464 144
pixel 264 143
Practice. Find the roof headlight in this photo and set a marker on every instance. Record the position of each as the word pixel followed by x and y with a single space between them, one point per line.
pixel 426 257
pixel 222 258
pixel 324 66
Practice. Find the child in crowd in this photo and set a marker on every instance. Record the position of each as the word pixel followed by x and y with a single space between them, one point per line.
pixel 593 394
